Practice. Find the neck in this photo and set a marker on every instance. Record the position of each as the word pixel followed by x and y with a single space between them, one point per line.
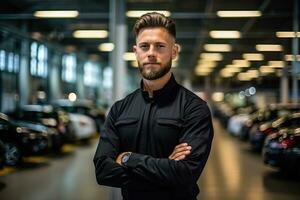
pixel 152 85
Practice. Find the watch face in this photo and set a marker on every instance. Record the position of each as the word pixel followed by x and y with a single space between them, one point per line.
pixel 125 158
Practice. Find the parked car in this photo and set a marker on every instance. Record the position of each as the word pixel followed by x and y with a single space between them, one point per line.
pixel 264 115
pixel 259 133
pixel 47 116
pixel 82 127
pixel 282 150
pixel 2 154
pixel 21 141
pixel 236 122
pixel 84 107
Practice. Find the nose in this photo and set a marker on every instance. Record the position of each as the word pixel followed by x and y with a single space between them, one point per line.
pixel 151 52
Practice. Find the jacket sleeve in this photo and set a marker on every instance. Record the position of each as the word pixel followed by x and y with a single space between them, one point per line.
pixel 108 172
pixel 198 133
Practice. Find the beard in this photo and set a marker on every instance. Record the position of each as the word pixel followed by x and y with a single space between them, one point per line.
pixel 155 74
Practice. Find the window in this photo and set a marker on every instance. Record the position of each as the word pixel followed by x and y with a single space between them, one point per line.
pixel 91 74
pixel 9 62
pixel 69 68
pixel 39 60
pixel 2 60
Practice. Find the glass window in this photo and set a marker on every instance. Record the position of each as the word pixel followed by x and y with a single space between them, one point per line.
pixel 69 68
pixel 10 62
pixel 39 60
pixel 91 74
pixel 2 60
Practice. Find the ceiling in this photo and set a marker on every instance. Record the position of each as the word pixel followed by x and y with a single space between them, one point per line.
pixel 194 18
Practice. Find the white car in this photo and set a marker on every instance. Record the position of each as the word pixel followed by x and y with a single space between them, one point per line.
pixel 81 127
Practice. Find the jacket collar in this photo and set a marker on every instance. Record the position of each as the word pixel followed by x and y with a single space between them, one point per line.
pixel 166 91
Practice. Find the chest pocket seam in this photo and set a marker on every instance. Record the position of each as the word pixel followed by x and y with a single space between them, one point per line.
pixel 126 121
pixel 170 122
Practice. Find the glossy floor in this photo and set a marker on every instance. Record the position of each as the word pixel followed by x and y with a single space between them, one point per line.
pixel 233 172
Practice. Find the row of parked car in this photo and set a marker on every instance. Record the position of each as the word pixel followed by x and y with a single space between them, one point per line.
pixel 40 129
pixel 274 131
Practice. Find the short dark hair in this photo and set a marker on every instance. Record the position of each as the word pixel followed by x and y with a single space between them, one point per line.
pixel 154 19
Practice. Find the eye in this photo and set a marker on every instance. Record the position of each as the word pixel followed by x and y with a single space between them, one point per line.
pixel 160 47
pixel 144 46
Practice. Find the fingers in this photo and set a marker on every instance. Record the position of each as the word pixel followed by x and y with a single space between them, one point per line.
pixel 180 152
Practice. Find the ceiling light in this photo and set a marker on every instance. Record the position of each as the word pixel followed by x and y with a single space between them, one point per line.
pixel 217 47
pixel 202 73
pixel 56 13
pixel 90 34
pixel 225 34
pixel 268 47
pixel 226 74
pixel 266 69
pixel 290 57
pixel 211 56
pixel 106 47
pixel 207 65
pixel 287 34
pixel 232 69
pixel 239 13
pixel 129 56
pixel 241 63
pixel 253 56
pixel 208 70
pixel 276 63
pixel 134 63
pixel 138 13
pixel 244 77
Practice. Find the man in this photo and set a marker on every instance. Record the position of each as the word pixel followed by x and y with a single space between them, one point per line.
pixel 156 140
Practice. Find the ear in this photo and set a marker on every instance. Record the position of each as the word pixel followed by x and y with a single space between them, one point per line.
pixel 134 49
pixel 175 51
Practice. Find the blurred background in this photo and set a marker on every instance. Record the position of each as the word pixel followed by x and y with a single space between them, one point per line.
pixel 64 63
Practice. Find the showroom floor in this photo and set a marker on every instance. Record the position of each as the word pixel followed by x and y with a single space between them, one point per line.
pixel 233 172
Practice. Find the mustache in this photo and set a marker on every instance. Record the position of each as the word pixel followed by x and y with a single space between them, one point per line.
pixel 147 63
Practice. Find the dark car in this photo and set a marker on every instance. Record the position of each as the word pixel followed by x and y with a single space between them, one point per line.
pixel 264 115
pixel 2 154
pixel 258 133
pixel 47 116
pixel 282 150
pixel 20 140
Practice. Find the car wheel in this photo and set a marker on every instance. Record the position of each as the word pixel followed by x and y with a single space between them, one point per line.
pixel 12 154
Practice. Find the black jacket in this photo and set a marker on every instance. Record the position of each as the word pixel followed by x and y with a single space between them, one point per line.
pixel 151 128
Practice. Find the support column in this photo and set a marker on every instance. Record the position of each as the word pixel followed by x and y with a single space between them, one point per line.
pixel 118 36
pixel 79 80
pixel 295 47
pixel 284 86
pixel 24 76
pixel 54 86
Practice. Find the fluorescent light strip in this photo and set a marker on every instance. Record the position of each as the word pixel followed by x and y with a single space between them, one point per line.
pixel 56 14
pixel 138 13
pixel 211 56
pixel 268 47
pixel 129 56
pixel 253 56
pixel 290 57
pixel 287 34
pixel 218 47
pixel 239 13
pixel 106 47
pixel 276 63
pixel 90 34
pixel 225 34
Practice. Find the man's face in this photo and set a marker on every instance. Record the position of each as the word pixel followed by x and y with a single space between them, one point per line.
pixel 155 48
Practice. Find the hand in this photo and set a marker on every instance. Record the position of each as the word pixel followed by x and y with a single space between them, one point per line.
pixel 180 152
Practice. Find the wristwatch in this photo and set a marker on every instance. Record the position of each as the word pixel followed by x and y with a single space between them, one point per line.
pixel 125 158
